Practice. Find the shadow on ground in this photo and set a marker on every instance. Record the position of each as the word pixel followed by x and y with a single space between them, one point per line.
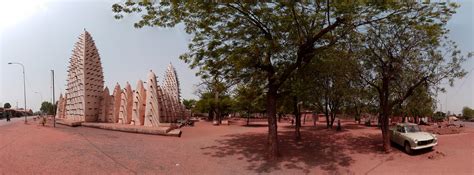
pixel 255 125
pixel 319 148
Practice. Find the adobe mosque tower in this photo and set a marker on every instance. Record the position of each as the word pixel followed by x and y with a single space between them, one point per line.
pixel 171 88
pixel 86 99
pixel 85 82
pixel 171 83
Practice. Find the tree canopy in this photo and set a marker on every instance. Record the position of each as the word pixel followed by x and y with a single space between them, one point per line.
pixel 47 108
pixel 395 46
pixel 7 106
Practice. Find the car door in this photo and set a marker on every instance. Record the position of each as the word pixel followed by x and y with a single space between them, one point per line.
pixel 398 135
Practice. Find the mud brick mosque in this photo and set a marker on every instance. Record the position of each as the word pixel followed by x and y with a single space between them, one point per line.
pixel 86 99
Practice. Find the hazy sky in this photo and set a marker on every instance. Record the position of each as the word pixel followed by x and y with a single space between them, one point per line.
pixel 41 34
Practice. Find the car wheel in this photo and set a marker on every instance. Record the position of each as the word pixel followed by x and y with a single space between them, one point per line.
pixel 408 148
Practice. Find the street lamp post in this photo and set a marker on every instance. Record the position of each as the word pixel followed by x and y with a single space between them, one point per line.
pixel 24 85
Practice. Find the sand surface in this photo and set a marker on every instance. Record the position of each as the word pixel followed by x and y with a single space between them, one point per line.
pixel 234 149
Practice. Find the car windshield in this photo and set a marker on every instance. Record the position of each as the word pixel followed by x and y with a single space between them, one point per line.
pixel 412 128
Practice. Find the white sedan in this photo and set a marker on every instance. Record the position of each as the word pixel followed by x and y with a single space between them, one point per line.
pixel 411 137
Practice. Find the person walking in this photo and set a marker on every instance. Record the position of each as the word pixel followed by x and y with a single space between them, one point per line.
pixel 6 114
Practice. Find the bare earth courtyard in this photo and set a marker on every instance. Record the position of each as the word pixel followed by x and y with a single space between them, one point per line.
pixel 234 149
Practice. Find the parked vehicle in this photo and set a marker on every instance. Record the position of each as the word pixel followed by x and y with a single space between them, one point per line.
pixel 411 137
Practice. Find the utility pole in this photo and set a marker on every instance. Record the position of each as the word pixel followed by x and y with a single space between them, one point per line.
pixel 54 99
pixel 24 86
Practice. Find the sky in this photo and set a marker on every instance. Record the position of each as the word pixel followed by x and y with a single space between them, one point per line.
pixel 42 38
pixel 41 35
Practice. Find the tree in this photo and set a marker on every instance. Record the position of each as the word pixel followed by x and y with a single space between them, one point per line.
pixel 205 105
pixel 263 41
pixel 293 94
pixel 189 103
pixel 407 51
pixel 420 104
pixel 47 108
pixel 208 104
pixel 467 112
pixel 7 106
pixel 334 80
pixel 249 98
pixel 439 116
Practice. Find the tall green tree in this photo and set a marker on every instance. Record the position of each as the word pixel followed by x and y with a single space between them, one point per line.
pixel 467 112
pixel 189 103
pixel 249 98
pixel 261 41
pixel 335 80
pixel 421 103
pixel 47 108
pixel 406 51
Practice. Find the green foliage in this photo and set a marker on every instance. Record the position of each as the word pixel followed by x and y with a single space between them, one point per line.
pixel 47 108
pixel 249 98
pixel 265 42
pixel 189 103
pixel 439 116
pixel 421 103
pixel 7 106
pixel 407 51
pixel 395 47
pixel 467 113
pixel 207 103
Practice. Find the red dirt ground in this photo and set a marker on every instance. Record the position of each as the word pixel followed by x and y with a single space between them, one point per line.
pixel 234 149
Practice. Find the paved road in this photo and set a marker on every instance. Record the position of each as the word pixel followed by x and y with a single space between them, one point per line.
pixel 466 124
pixel 4 122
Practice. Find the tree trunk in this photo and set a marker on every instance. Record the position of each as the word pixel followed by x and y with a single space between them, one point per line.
pixel 385 114
pixel 326 113
pixel 385 132
pixel 297 114
pixel 272 122
pixel 210 116
pixel 216 100
pixel 333 117
pixel 248 117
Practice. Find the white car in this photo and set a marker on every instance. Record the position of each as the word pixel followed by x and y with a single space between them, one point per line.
pixel 411 137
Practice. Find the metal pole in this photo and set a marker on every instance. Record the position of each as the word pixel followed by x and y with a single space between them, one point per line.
pixel 24 86
pixel 54 99
pixel 24 89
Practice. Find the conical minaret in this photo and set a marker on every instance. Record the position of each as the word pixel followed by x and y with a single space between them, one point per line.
pixel 173 95
pixel 153 108
pixel 85 81
pixel 139 103
pixel 171 83
pixel 116 107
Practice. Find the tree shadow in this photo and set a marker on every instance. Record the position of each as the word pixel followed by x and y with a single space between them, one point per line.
pixel 255 125
pixel 328 150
